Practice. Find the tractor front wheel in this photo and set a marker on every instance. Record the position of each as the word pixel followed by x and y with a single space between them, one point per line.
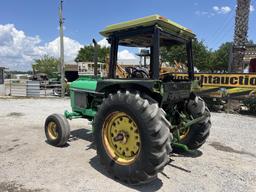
pixel 195 136
pixel 132 137
pixel 57 130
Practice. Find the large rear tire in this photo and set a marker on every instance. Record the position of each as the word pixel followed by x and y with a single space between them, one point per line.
pixel 196 135
pixel 132 137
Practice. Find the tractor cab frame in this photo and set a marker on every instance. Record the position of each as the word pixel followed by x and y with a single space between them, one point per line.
pixel 151 32
pixel 154 37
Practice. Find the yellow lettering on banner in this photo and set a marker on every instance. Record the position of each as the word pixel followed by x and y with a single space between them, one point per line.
pixel 222 80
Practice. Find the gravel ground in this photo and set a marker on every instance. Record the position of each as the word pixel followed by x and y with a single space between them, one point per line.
pixel 28 164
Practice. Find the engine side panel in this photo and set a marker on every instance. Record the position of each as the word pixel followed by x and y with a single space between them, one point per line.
pixel 174 92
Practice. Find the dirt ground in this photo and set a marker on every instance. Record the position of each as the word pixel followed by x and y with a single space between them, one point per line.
pixel 28 164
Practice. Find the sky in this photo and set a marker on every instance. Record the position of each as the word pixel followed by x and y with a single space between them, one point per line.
pixel 29 28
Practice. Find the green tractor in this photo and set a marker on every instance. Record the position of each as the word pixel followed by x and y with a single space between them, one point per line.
pixel 137 121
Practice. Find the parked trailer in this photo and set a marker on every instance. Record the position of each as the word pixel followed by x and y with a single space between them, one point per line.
pixel 218 88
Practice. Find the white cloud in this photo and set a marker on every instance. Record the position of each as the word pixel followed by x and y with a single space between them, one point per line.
pixel 104 43
pixel 215 10
pixel 71 48
pixel 17 50
pixel 221 10
pixel 125 54
pixel 252 8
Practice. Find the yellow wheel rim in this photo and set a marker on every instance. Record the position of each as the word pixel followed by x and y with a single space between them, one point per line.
pixel 184 133
pixel 52 130
pixel 121 138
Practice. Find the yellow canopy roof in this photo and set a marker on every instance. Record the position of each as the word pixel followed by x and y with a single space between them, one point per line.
pixel 164 23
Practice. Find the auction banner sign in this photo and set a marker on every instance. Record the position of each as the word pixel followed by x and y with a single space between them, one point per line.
pixel 242 80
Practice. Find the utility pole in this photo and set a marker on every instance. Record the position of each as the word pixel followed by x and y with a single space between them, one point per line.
pixel 61 50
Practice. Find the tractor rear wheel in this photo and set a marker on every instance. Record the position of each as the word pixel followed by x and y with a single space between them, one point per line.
pixel 195 136
pixel 57 130
pixel 132 137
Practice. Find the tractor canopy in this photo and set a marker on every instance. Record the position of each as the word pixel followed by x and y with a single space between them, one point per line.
pixel 151 32
pixel 179 33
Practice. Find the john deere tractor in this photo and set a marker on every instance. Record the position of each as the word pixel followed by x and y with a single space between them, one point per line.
pixel 137 121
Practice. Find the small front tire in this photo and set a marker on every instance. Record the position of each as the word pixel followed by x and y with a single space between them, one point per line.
pixel 57 130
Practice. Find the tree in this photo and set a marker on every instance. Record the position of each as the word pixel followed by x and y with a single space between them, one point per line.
pixel 201 56
pixel 46 64
pixel 178 53
pixel 87 53
pixel 220 58
pixel 173 53
pixel 204 59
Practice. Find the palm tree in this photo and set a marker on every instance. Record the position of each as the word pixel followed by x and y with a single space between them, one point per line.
pixel 240 36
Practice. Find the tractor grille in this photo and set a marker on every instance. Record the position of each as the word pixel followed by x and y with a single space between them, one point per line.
pixel 80 99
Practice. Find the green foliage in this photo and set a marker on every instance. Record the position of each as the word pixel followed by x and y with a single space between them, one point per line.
pixel 204 59
pixel 46 64
pixel 201 56
pixel 220 58
pixel 87 53
pixel 173 53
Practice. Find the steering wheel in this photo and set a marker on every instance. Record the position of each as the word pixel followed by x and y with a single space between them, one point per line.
pixel 134 72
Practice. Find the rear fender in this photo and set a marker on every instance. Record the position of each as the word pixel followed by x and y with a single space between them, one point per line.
pixel 144 91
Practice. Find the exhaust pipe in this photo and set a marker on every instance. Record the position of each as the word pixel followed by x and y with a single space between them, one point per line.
pixel 95 57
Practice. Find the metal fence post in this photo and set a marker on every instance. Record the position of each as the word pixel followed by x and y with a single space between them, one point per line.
pixel 10 94
pixel 45 89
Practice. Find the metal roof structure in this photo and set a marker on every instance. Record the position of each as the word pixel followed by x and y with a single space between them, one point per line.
pixel 164 23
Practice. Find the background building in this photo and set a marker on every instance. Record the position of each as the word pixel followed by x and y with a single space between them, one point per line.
pixel 250 53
